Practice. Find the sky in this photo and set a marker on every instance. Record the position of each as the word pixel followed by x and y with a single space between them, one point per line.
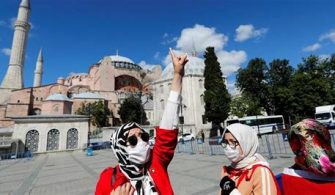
pixel 74 34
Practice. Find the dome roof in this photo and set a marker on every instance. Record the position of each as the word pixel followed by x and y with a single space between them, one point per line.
pixel 117 58
pixel 58 97
pixel 194 66
pixel 86 95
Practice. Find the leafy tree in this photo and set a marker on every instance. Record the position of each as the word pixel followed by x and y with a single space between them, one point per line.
pixel 244 106
pixel 216 96
pixel 310 87
pixel 131 110
pixel 253 82
pixel 279 77
pixel 98 111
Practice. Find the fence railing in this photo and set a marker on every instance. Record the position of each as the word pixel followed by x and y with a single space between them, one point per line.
pixel 270 145
pixel 4 156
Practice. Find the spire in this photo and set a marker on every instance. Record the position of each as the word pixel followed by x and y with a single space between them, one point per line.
pixel 14 76
pixel 38 70
pixel 117 52
pixel 40 56
pixel 25 3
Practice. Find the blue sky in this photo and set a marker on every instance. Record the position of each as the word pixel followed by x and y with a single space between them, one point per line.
pixel 74 34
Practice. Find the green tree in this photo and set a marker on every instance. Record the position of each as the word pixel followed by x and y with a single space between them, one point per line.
pixel 244 106
pixel 216 96
pixel 279 77
pixel 98 111
pixel 131 110
pixel 310 87
pixel 253 82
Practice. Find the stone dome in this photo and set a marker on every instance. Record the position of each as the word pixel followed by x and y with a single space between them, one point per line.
pixel 194 66
pixel 57 97
pixel 117 58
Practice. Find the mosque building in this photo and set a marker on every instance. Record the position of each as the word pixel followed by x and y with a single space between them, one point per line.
pixel 192 108
pixel 43 116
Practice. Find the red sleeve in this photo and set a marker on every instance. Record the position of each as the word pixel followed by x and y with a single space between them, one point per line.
pixel 103 186
pixel 165 145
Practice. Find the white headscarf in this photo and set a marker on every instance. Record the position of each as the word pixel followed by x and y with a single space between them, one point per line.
pixel 248 141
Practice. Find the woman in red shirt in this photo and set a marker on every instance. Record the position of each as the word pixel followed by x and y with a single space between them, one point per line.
pixel 140 170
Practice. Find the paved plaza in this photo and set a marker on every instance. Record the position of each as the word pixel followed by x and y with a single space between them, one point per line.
pixel 75 173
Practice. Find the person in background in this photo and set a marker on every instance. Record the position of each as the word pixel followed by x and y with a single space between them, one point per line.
pixel 140 170
pixel 249 172
pixel 314 168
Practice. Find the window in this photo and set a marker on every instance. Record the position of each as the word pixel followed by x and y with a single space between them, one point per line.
pixel 202 100
pixel 162 89
pixel 53 140
pixel 204 119
pixel 201 85
pixel 72 139
pixel 162 104
pixel 32 138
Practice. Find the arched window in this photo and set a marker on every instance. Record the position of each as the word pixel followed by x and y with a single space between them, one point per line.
pixel 32 138
pixel 202 99
pixel 162 89
pixel 53 140
pixel 72 139
pixel 201 85
pixel 162 104
pixel 37 111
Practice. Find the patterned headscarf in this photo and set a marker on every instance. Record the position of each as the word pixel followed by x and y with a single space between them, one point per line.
pixel 119 145
pixel 310 141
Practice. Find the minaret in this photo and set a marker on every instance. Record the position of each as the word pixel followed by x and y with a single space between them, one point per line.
pixel 38 70
pixel 14 76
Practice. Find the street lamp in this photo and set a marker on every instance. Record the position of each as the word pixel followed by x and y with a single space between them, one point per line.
pixel 89 125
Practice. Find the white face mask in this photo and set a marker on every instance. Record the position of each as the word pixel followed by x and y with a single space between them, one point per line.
pixel 139 154
pixel 232 154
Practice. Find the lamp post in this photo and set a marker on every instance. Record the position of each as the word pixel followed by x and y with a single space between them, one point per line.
pixel 89 125
pixel 257 126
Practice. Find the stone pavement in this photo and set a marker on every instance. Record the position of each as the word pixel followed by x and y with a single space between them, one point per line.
pixel 74 173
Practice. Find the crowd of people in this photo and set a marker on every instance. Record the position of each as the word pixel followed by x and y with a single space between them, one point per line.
pixel 143 171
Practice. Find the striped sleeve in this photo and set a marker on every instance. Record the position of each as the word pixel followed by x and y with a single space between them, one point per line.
pixel 263 182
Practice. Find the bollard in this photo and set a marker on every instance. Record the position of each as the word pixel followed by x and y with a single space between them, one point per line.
pixel 269 147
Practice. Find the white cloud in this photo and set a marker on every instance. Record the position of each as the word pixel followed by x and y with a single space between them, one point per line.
pixel 167 39
pixel 6 51
pixel 200 37
pixel 248 31
pixel 146 66
pixel 313 47
pixel 157 55
pixel 231 61
pixel 232 88
pixel 328 36
pixel 12 22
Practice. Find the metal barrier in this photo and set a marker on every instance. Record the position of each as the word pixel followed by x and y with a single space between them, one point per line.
pixel 270 145
pixel 4 156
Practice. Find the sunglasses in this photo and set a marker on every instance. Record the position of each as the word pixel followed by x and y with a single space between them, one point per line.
pixel 132 140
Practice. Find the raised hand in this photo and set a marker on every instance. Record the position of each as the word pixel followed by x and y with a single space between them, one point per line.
pixel 178 62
